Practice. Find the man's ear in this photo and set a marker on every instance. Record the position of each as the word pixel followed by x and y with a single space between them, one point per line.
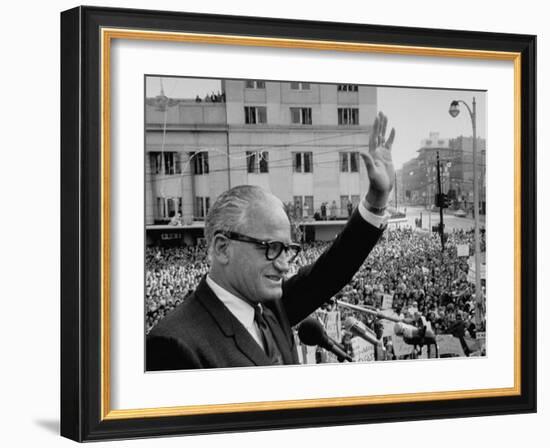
pixel 221 249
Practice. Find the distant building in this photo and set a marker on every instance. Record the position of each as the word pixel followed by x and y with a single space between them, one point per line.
pixel 456 168
pixel 398 192
pixel 301 141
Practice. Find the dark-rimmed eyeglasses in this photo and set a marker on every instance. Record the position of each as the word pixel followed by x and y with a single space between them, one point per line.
pixel 273 249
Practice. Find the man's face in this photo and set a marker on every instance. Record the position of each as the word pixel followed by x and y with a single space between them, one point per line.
pixel 252 276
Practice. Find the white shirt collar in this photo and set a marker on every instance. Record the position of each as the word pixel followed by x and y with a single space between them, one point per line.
pixel 243 311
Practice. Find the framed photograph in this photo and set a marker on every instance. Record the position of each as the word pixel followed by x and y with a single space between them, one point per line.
pixel 277 224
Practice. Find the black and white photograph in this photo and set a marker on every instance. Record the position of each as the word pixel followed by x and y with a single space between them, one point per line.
pixel 294 222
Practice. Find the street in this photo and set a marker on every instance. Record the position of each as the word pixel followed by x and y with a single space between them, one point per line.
pixel 430 219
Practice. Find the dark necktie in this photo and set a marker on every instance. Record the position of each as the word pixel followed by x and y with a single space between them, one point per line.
pixel 271 349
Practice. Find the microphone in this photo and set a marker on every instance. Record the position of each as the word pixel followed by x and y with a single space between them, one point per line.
pixel 311 332
pixel 372 312
pixel 415 335
pixel 359 329
pixel 406 330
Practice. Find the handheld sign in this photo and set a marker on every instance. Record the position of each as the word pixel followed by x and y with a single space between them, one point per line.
pixel 362 350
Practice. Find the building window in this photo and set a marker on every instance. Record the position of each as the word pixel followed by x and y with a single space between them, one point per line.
pixel 308 206
pixel 173 206
pixel 168 207
pixel 171 163
pixel 298 207
pixel 347 204
pixel 255 114
pixel 348 115
pixel 161 209
pixel 344 201
pixel 165 162
pixel 302 207
pixel 200 162
pixel 302 162
pixel 156 162
pixel 348 88
pixel 300 86
pixel 202 206
pixel 300 115
pixel 257 161
pixel 344 164
pixel 254 84
pixel 349 162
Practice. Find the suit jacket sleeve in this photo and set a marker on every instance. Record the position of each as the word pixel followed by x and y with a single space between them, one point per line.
pixel 167 353
pixel 315 284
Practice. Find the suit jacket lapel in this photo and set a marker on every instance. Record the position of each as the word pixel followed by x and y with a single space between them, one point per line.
pixel 230 325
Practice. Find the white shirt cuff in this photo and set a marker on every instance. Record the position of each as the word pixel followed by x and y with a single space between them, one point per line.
pixel 378 221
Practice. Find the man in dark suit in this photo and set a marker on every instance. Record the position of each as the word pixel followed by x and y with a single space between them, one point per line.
pixel 242 312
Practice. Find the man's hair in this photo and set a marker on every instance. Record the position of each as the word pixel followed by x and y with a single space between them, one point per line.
pixel 229 212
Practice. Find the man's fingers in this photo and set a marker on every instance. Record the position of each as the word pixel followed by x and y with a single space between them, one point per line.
pixel 369 162
pixel 376 138
pixel 373 140
pixel 389 141
pixel 383 124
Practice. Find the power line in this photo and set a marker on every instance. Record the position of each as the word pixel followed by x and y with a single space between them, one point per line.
pixel 259 148
pixel 180 176
pixel 272 164
pixel 285 145
pixel 222 153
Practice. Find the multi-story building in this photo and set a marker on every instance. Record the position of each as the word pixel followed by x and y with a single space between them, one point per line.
pixel 456 171
pixel 301 141
pixel 414 180
pixel 461 178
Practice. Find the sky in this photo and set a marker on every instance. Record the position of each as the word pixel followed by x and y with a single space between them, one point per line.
pixel 414 113
pixel 182 87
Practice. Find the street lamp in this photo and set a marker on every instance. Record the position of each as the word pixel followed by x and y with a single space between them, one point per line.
pixel 454 110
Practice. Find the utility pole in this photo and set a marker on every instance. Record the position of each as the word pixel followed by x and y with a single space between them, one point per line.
pixel 395 189
pixel 454 111
pixel 479 295
pixel 441 204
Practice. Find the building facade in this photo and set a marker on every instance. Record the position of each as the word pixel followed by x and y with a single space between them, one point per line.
pixel 301 141
pixel 420 183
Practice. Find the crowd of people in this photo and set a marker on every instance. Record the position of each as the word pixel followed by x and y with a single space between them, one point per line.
pixel 171 274
pixel 217 97
pixel 421 278
pixel 406 264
